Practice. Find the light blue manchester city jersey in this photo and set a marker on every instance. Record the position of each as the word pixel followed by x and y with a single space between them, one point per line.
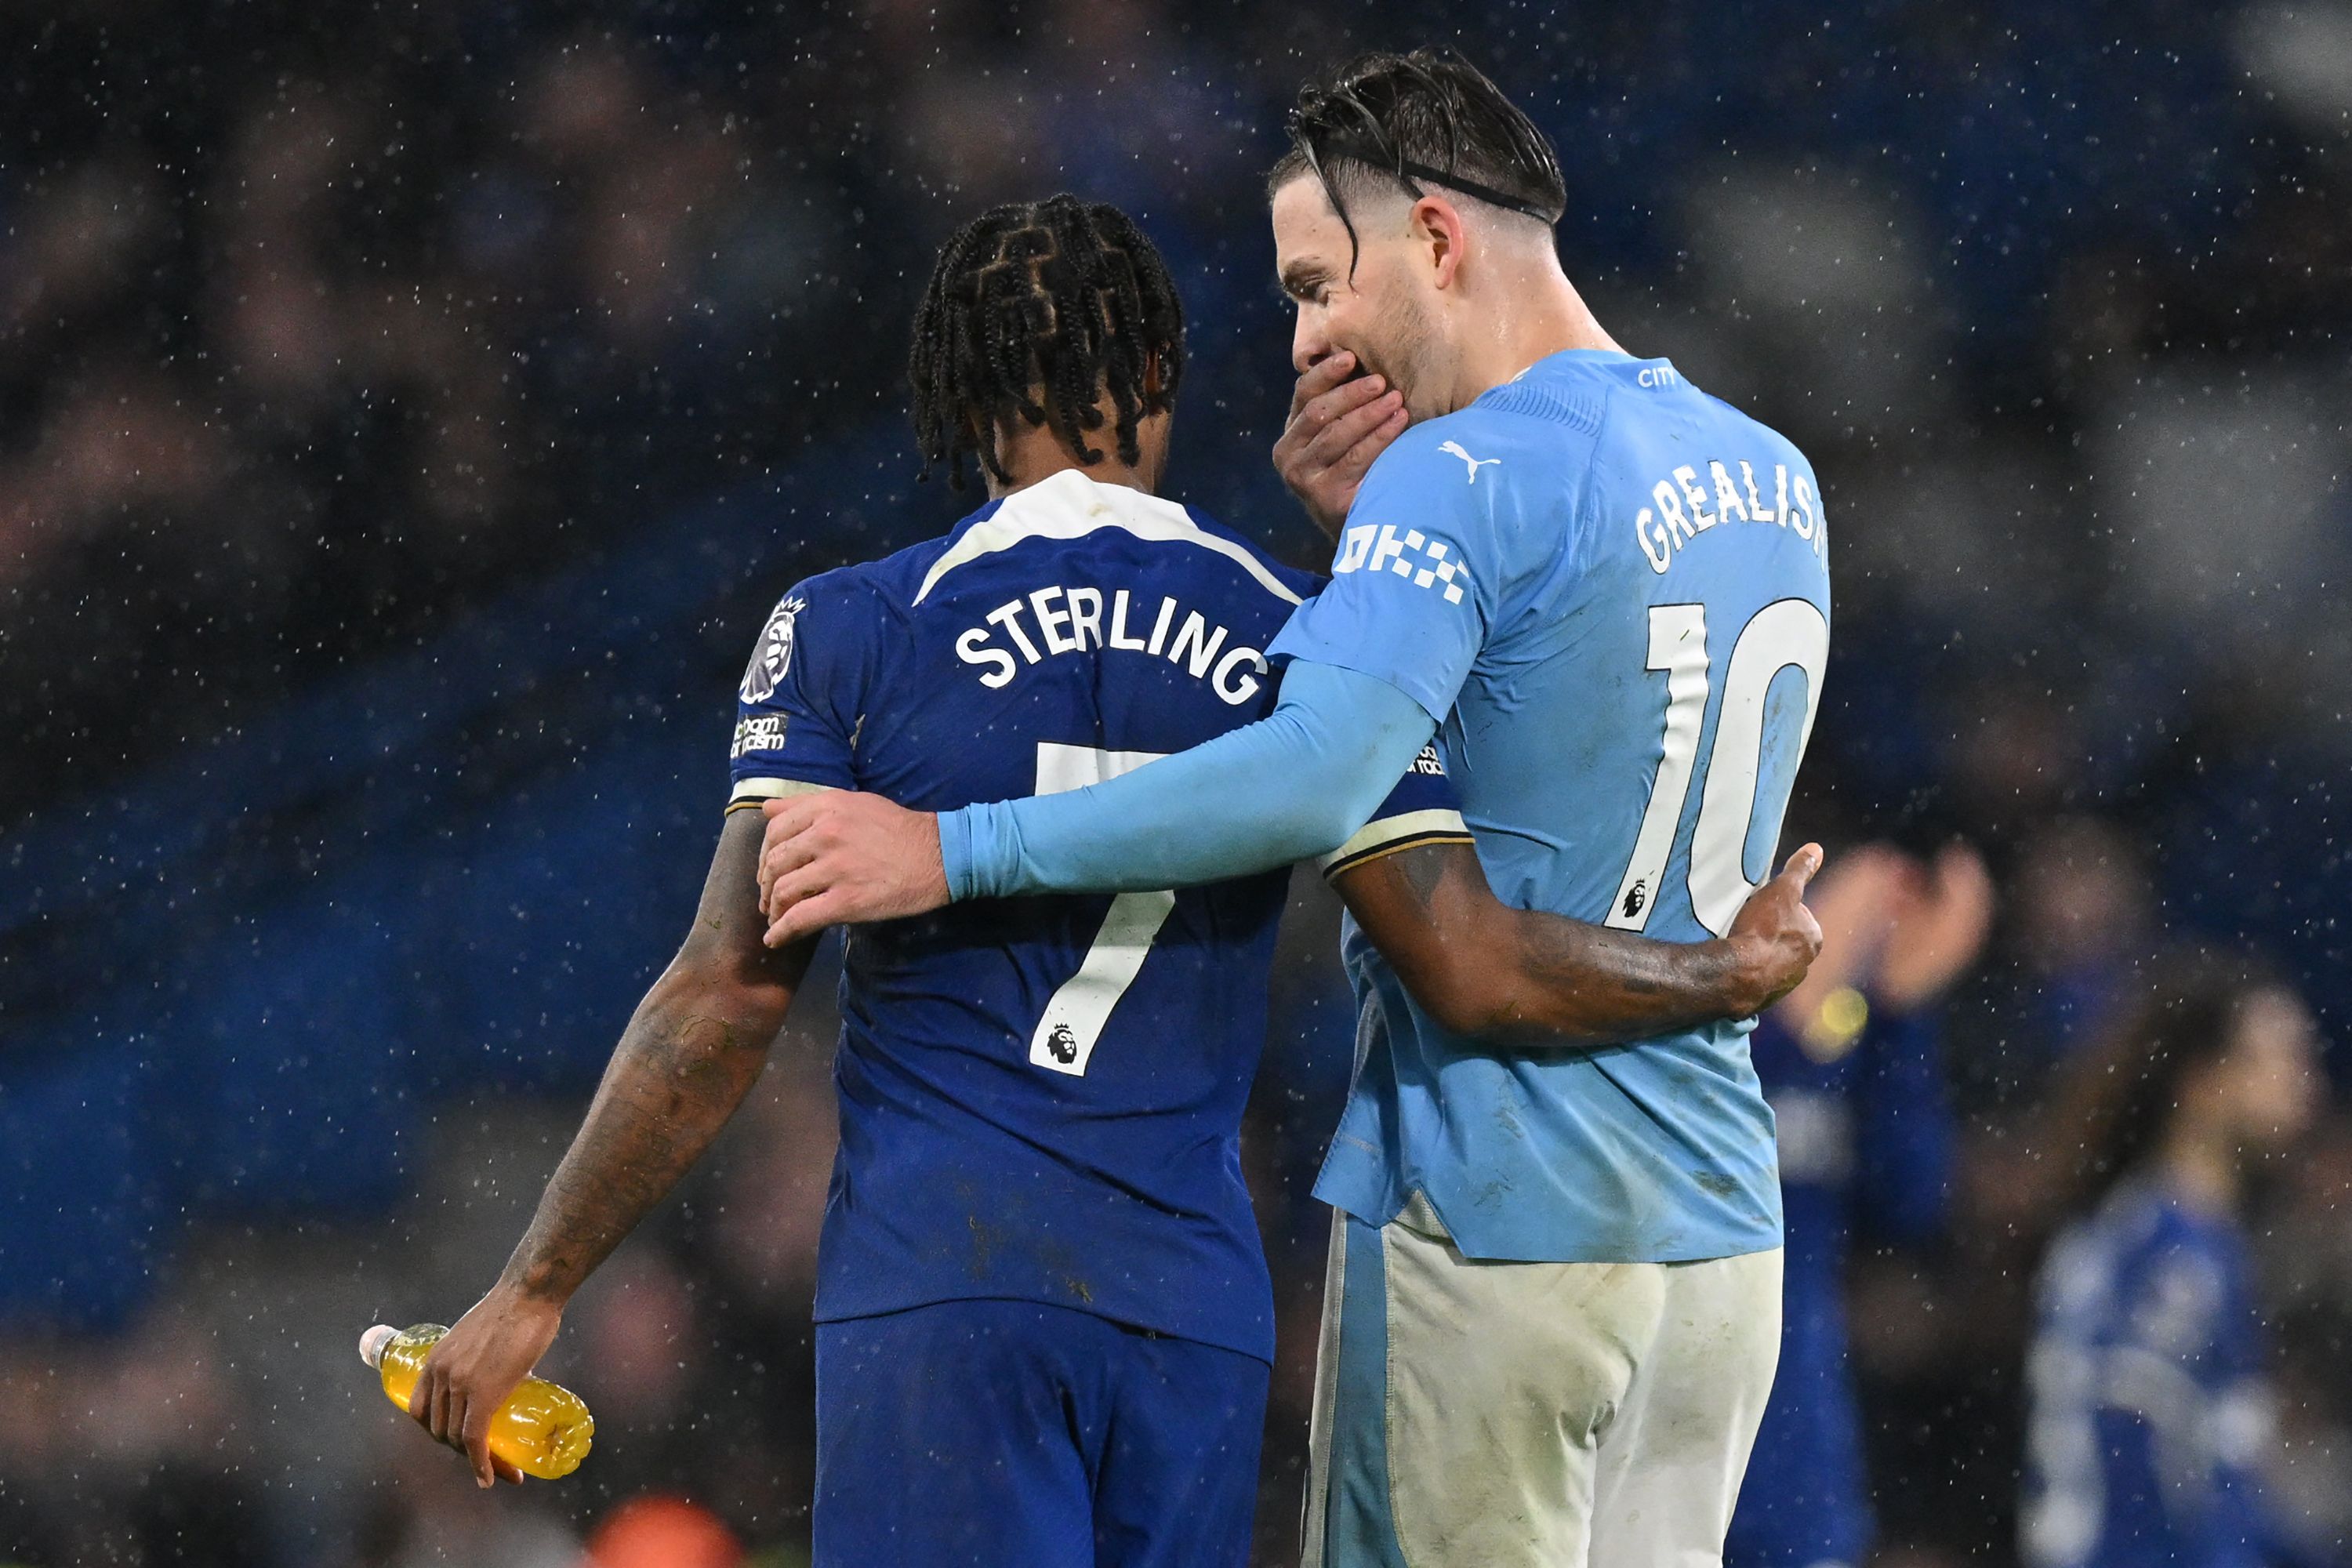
pixel 1611 591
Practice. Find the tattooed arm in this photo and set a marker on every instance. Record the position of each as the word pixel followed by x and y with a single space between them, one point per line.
pixel 1480 968
pixel 691 1053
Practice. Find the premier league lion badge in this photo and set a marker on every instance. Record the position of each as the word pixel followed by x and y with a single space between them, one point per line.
pixel 774 657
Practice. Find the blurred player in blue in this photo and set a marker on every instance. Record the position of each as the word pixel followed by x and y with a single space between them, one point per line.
pixel 1556 1277
pixel 1044 1321
pixel 1852 1065
pixel 2152 1410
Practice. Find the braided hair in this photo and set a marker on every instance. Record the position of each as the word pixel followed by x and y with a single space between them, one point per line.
pixel 1038 309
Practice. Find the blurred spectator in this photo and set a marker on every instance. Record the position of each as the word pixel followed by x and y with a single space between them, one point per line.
pixel 2153 1412
pixel 2082 921
pixel 1852 1063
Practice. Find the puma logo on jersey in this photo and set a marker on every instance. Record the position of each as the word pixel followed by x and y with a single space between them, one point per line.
pixel 1475 463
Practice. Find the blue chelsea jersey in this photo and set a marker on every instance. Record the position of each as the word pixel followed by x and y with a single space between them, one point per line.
pixel 1612 593
pixel 1041 1098
pixel 2151 1414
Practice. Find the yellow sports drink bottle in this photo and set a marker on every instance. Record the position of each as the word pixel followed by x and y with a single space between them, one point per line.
pixel 542 1429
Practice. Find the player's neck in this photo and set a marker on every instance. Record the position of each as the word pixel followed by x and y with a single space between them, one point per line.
pixel 2201 1167
pixel 1546 316
pixel 1033 454
pixel 1110 471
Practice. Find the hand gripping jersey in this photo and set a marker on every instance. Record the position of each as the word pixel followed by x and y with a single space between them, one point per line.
pixel 1041 1098
pixel 1611 590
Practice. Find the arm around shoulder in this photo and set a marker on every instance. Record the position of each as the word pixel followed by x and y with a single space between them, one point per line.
pixel 1288 786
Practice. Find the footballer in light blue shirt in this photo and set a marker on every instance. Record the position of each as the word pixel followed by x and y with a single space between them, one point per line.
pixel 1607 595
pixel 1608 590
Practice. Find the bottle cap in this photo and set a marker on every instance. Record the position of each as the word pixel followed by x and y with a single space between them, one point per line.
pixel 371 1343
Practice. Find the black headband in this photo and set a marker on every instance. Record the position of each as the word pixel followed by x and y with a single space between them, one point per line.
pixel 1406 171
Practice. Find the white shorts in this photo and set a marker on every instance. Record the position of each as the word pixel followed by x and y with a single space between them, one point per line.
pixel 1476 1414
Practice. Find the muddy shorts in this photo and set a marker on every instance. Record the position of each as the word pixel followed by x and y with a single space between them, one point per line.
pixel 1485 1414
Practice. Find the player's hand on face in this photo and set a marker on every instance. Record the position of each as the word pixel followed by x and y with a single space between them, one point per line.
pixel 1775 934
pixel 840 857
pixel 470 1372
pixel 1939 928
pixel 1337 428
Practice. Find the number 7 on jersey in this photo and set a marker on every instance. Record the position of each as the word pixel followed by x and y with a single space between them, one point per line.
pixel 1074 1015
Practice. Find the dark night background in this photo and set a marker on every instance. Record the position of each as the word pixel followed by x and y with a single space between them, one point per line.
pixel 408 412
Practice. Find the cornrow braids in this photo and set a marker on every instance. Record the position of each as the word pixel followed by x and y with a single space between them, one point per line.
pixel 1430 117
pixel 1036 309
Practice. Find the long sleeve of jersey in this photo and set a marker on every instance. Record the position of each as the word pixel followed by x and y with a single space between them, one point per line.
pixel 1292 785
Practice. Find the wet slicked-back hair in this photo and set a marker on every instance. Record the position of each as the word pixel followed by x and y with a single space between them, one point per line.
pixel 1035 309
pixel 1427 118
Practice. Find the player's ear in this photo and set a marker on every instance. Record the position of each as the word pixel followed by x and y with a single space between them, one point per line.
pixel 1437 227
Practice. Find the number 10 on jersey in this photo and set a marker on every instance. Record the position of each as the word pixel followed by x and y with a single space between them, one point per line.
pixel 1785 634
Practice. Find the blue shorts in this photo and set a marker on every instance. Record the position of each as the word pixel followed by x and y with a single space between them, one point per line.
pixel 995 1433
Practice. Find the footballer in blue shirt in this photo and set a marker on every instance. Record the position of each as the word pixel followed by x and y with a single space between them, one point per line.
pixel 1604 595
pixel 1044 1322
pixel 2152 1411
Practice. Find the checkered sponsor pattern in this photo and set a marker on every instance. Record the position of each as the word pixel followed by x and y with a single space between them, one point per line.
pixel 1425 562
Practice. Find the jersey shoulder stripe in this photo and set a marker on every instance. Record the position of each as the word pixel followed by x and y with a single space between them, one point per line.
pixel 1422 809
pixel 1391 834
pixel 750 794
pixel 1070 506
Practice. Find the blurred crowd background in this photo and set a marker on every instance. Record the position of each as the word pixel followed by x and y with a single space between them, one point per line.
pixel 407 413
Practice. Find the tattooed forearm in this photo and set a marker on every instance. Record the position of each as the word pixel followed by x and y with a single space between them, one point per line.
pixel 1481 968
pixel 1597 985
pixel 677 1075
pixel 691 1052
